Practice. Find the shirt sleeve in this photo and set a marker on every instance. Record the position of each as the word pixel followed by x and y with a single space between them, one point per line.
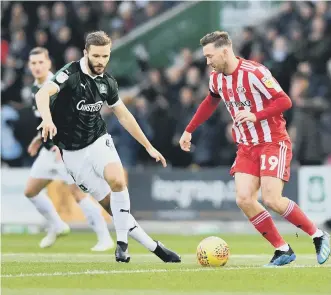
pixel 61 78
pixel 213 85
pixel 265 83
pixel 203 113
pixel 113 99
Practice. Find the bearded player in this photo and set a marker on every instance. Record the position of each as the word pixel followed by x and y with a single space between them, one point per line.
pixel 70 107
pixel 255 102
pixel 48 167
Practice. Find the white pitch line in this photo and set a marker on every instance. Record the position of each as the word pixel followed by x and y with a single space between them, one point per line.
pixel 87 255
pixel 114 272
pixel 139 258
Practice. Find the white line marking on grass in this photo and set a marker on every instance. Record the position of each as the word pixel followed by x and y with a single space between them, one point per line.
pixel 139 258
pixel 87 255
pixel 114 272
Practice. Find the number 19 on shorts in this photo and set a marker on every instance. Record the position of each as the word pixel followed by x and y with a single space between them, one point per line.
pixel 269 163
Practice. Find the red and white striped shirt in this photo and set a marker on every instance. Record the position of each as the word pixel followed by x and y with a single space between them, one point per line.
pixel 251 87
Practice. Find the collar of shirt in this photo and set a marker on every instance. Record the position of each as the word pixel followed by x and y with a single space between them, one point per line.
pixel 82 64
pixel 49 77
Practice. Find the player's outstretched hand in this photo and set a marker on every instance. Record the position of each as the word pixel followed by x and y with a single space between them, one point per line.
pixel 55 149
pixel 185 141
pixel 48 129
pixel 154 153
pixel 34 146
pixel 244 116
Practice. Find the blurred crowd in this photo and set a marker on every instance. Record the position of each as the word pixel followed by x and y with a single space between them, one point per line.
pixel 295 46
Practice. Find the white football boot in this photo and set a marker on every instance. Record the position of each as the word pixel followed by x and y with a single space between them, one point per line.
pixel 104 245
pixel 53 234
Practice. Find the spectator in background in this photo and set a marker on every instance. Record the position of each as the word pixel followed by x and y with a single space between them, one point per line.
pixel 174 82
pixel 162 121
pixel 19 46
pixel 299 43
pixel 85 22
pixel 321 9
pixel 193 78
pixel 282 64
pixel 318 47
pixel 107 14
pixel 63 40
pixel 11 149
pixel 126 12
pixel 59 18
pixel 305 132
pixel 41 39
pixel 18 19
pixel 44 20
pixel 207 152
pixel 149 11
pixel 127 147
pixel 248 42
pixel 153 86
pixel 4 50
pixel 305 15
pixel 183 112
pixel 72 54
pixel 270 37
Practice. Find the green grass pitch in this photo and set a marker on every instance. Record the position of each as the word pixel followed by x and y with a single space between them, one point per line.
pixel 70 268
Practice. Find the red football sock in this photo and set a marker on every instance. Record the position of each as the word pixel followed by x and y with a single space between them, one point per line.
pixel 266 226
pixel 295 215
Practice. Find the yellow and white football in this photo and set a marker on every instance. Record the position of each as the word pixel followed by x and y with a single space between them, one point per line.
pixel 213 251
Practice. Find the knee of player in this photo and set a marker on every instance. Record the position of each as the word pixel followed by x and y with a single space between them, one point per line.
pixel 30 192
pixel 244 199
pixel 117 184
pixel 270 201
pixel 270 198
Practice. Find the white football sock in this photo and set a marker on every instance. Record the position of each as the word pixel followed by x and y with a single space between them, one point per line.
pixel 137 233
pixel 120 207
pixel 46 208
pixel 317 234
pixel 92 212
pixel 285 248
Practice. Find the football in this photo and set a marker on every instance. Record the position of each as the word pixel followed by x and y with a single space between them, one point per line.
pixel 213 251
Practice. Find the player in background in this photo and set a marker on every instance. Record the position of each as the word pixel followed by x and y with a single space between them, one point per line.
pixel 70 108
pixel 255 102
pixel 48 167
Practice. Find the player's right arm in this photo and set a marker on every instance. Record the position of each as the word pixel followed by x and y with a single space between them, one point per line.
pixel 203 113
pixel 54 86
pixel 42 100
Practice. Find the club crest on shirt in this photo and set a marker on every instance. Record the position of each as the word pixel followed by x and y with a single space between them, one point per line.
pixel 268 81
pixel 241 89
pixel 230 92
pixel 103 89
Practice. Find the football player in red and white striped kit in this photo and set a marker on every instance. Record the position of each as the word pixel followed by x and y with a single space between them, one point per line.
pixel 255 102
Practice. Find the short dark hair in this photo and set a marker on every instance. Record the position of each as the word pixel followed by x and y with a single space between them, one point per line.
pixel 218 38
pixel 39 50
pixel 97 38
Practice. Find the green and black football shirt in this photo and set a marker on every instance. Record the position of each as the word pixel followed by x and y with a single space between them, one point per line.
pixel 75 108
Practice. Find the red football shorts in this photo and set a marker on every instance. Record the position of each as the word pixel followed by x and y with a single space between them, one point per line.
pixel 265 159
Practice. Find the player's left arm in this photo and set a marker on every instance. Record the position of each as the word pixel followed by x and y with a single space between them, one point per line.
pixel 269 88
